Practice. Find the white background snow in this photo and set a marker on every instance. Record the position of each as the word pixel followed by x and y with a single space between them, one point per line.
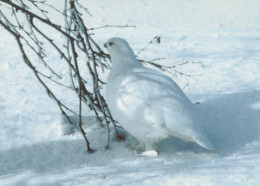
pixel 222 36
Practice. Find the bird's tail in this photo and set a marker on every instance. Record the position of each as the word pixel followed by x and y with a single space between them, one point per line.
pixel 203 141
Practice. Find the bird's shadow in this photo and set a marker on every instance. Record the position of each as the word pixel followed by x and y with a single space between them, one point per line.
pixel 231 121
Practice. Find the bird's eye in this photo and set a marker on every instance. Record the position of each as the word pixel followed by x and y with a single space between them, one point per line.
pixel 110 43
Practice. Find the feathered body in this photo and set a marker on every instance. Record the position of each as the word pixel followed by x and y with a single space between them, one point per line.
pixel 147 103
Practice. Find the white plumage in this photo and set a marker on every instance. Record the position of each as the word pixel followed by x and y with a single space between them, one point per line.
pixel 147 103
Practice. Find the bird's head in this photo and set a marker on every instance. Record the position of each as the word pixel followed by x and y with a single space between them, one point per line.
pixel 119 46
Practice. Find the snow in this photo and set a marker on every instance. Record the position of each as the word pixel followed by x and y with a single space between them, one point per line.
pixel 223 36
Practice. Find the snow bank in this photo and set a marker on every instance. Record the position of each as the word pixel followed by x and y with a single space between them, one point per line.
pixel 222 35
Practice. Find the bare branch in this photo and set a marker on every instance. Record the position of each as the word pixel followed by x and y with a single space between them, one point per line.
pixel 156 38
pixel 79 53
pixel 113 26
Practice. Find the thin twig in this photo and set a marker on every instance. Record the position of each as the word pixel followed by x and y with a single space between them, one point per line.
pixel 113 26
pixel 156 38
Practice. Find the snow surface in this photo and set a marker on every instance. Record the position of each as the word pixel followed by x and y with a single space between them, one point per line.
pixel 223 36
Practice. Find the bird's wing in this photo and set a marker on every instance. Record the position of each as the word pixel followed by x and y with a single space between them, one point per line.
pixel 162 102
pixel 162 82
pixel 151 92
pixel 164 128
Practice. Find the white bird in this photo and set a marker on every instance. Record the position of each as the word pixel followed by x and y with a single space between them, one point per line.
pixel 147 103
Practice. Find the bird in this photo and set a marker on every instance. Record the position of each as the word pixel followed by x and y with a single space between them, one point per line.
pixel 147 103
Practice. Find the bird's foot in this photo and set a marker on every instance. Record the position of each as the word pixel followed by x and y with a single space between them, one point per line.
pixel 120 137
pixel 149 153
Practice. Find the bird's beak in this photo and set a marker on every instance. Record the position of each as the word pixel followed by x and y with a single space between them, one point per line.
pixel 105 45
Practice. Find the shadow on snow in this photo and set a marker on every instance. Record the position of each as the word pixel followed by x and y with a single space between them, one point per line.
pixel 231 122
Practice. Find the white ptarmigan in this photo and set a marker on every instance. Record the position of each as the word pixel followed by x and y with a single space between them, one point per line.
pixel 147 103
